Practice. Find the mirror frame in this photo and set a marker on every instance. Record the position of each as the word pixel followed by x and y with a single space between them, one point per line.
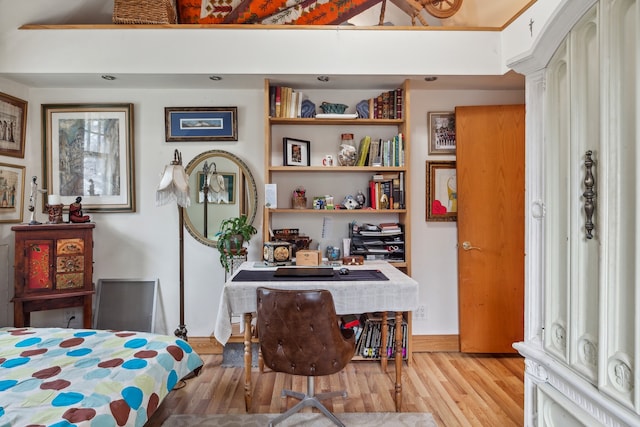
pixel 251 196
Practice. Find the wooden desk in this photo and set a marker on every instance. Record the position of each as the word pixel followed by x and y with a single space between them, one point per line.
pixel 398 294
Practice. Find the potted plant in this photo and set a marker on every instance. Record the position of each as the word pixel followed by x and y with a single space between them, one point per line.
pixel 231 237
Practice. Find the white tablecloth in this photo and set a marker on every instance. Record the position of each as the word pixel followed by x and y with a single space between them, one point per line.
pixel 399 293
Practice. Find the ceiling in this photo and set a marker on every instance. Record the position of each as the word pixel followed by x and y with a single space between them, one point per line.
pixel 509 81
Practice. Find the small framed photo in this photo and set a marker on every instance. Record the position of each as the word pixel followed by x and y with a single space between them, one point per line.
pixel 297 152
pixel 442 132
pixel 88 152
pixel 221 190
pixel 11 193
pixel 13 124
pixel 201 123
pixel 442 191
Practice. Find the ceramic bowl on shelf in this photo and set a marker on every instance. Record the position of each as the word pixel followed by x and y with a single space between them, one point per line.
pixel 329 108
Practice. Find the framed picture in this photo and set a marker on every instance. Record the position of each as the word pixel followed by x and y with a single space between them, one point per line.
pixel 297 152
pixel 13 124
pixel 442 191
pixel 222 188
pixel 442 132
pixel 88 153
pixel 11 192
pixel 201 123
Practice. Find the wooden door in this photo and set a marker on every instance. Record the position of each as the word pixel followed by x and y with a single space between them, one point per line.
pixel 490 177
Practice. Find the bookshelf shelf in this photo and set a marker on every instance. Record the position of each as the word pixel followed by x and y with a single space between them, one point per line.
pixel 337 169
pixel 336 211
pixel 338 181
pixel 335 122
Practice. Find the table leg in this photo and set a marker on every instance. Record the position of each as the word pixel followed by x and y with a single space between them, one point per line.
pixel 398 361
pixel 383 341
pixel 247 361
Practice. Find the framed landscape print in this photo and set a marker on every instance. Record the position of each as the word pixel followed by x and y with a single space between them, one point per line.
pixel 13 124
pixel 88 152
pixel 442 191
pixel 11 193
pixel 201 124
pixel 442 132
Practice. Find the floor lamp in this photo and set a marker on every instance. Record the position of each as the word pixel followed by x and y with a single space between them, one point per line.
pixel 174 187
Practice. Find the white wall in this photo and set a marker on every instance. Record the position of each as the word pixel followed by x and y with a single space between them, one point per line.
pixel 434 251
pixel 144 244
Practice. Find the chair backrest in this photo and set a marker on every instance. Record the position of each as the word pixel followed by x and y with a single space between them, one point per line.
pixel 299 332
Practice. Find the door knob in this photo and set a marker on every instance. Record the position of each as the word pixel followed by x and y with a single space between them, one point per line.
pixel 467 246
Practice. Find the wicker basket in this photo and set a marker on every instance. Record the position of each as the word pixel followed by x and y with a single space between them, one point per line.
pixel 144 12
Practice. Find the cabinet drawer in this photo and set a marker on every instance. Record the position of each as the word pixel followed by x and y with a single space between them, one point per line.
pixel 69 246
pixel 69 280
pixel 70 264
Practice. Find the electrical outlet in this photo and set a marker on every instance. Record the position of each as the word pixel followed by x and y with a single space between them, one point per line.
pixel 420 313
pixel 69 316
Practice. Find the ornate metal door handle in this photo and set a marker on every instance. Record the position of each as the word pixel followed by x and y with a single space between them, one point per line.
pixel 589 194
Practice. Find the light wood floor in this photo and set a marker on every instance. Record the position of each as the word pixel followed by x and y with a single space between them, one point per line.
pixel 457 389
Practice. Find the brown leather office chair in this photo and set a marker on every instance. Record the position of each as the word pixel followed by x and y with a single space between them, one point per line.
pixel 299 335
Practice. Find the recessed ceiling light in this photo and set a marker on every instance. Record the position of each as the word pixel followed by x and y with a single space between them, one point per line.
pixel 323 79
pixel 215 78
pixel 430 79
pixel 108 77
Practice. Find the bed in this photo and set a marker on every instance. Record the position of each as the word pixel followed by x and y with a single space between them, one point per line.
pixel 83 377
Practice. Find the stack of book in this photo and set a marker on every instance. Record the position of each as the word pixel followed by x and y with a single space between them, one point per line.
pixel 285 102
pixel 387 105
pixel 386 191
pixel 390 227
pixel 381 152
pixel 370 345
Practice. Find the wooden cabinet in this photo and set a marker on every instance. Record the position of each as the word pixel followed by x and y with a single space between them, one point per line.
pixel 324 135
pixel 582 343
pixel 53 269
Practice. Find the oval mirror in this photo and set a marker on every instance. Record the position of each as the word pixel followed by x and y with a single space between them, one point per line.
pixel 221 187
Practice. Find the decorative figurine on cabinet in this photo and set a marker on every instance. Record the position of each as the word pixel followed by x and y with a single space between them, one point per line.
pixel 75 212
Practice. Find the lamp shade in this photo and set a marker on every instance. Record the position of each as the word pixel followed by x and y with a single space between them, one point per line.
pixel 174 186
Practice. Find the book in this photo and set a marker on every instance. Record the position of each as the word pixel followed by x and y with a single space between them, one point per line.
pixel 399 103
pixel 278 102
pixel 396 192
pixel 350 321
pixel 374 153
pixel 373 199
pixel 386 191
pixel 272 101
pixel 402 203
pixel 363 151
pixel 388 225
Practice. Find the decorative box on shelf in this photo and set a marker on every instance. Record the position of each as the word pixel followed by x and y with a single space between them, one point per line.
pixel 277 253
pixel 292 235
pixel 144 12
pixel 308 257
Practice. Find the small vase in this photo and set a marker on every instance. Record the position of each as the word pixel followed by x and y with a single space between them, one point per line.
pixel 348 152
pixel 299 202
